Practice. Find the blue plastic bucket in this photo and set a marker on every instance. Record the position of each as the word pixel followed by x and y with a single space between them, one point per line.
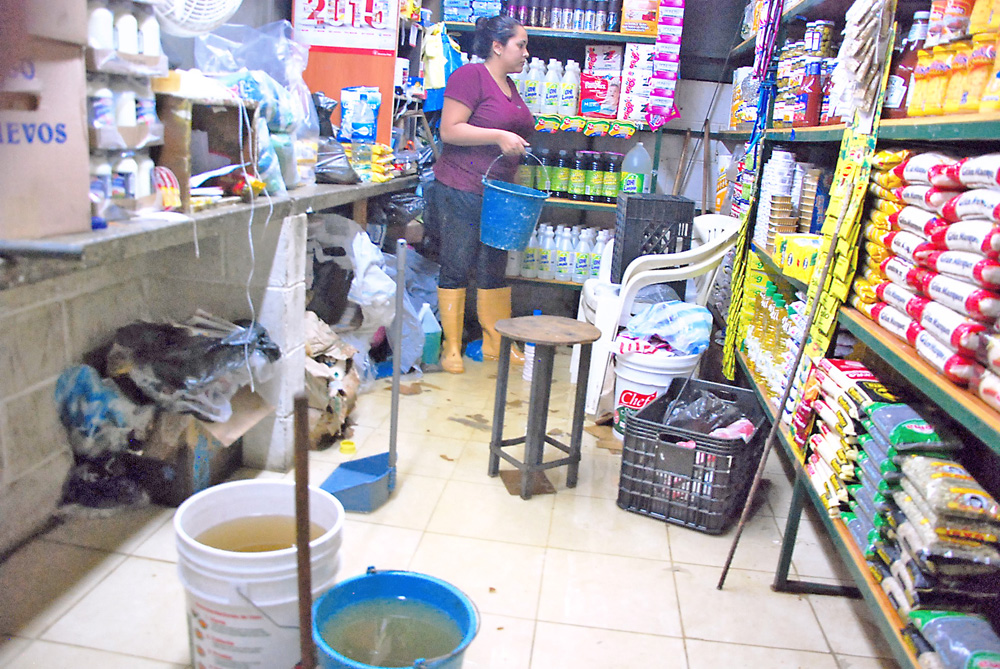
pixel 510 213
pixel 427 590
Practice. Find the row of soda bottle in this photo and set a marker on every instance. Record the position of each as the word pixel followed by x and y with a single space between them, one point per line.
pixel 560 253
pixel 588 176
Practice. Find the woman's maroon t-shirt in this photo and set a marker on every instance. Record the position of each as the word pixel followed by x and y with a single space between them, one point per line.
pixel 463 167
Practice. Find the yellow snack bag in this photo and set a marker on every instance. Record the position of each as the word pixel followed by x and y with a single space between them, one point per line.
pixel 877 252
pixel 887 179
pixel 548 123
pixel 864 291
pixel 882 193
pixel 887 206
pixel 886 159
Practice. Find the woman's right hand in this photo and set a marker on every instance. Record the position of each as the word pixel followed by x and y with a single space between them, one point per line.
pixel 511 144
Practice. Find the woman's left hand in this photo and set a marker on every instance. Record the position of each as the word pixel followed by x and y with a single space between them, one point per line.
pixel 512 144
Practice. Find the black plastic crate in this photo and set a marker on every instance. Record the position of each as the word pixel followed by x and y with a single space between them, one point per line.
pixel 704 487
pixel 648 223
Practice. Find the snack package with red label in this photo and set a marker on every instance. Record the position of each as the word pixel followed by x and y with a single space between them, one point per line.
pixel 896 322
pixel 971 267
pixel 903 272
pixel 918 221
pixel 903 243
pixel 956 368
pixel 988 389
pixel 973 236
pixel 974 204
pixel 965 298
pixel 901 298
pixel 980 171
pixel 918 169
pixel 930 198
pixel 959 333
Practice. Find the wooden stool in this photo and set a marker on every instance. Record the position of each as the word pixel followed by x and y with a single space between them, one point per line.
pixel 545 332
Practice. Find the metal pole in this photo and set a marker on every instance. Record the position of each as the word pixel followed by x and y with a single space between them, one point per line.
pixel 397 327
pixel 785 395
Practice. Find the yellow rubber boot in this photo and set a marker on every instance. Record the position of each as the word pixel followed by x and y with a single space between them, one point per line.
pixel 492 305
pixel 451 304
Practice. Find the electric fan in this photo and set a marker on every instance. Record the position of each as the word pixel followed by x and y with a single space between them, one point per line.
pixel 190 18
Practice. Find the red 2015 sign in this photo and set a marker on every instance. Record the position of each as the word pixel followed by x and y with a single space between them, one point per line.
pixel 348 25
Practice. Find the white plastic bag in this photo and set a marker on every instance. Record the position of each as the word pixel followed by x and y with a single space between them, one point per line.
pixel 371 287
pixel 686 327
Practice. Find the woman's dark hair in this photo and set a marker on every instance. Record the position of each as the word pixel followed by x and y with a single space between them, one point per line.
pixel 496 29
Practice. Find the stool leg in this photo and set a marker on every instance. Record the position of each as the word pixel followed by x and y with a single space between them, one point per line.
pixel 499 406
pixel 538 414
pixel 579 409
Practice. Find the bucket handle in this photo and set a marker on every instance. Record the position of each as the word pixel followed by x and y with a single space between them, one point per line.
pixel 422 663
pixel 548 182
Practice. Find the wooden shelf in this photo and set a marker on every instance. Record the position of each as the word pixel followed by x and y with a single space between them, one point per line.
pixel 814 9
pixel 583 35
pixel 885 615
pixel 962 405
pixel 766 258
pixel 580 204
pixel 823 133
pixel 959 127
pixel 549 282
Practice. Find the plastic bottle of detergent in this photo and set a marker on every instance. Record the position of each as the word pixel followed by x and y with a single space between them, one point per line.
pixel 550 87
pixel 149 32
pixel 637 171
pixel 533 85
pixel 547 257
pixel 144 175
pixel 100 25
pixel 124 102
pixel 581 263
pixel 514 261
pixel 126 30
pixel 100 101
pixel 569 90
pixel 123 176
pixel 145 102
pixel 100 175
pixel 564 256
pixel 597 251
pixel 529 263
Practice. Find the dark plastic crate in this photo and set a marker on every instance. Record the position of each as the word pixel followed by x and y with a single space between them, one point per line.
pixel 648 223
pixel 704 487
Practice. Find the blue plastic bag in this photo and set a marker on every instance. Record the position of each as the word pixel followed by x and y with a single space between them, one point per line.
pixel 686 327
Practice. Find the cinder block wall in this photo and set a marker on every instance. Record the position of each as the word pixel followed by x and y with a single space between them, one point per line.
pixel 49 325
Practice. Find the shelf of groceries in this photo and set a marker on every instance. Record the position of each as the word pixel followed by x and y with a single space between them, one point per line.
pixel 815 9
pixel 984 126
pixel 591 35
pixel 885 614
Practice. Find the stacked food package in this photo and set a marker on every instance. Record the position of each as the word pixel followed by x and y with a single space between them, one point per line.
pixel 931 276
pixel 926 527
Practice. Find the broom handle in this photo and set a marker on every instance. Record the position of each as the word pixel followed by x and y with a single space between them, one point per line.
pixel 302 530
pixel 397 327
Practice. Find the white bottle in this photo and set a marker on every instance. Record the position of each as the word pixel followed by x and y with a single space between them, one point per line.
pixel 514 260
pixel 144 175
pixel 581 263
pixel 126 30
pixel 363 122
pixel 596 252
pixel 569 90
pixel 124 102
pixel 521 80
pixel 529 263
pixel 123 176
pixel 533 85
pixel 637 171
pixel 149 33
pixel 565 257
pixel 100 175
pixel 100 25
pixel 546 262
pixel 550 88
pixel 145 102
pixel 100 101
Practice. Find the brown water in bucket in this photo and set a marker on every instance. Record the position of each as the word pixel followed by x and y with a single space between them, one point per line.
pixel 255 534
pixel 391 632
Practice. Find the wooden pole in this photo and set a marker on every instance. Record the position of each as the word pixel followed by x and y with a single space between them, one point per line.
pixel 680 163
pixel 302 530
pixel 707 169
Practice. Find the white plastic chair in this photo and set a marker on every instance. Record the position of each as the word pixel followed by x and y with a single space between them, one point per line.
pixel 609 306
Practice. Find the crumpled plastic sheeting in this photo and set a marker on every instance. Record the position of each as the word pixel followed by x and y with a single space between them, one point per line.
pixel 98 418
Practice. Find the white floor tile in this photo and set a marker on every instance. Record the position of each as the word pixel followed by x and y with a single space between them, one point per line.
pixel 571 647
pixel 597 525
pixel 712 655
pixel 758 549
pixel 47 654
pixel 371 545
pixel 410 504
pixel 502 643
pixel 849 626
pixel 488 511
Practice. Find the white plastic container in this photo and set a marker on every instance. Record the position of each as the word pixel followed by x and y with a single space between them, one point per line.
pixel 144 175
pixel 100 25
pixel 533 86
pixel 100 175
pixel 581 261
pixel 637 171
pixel 100 101
pixel 126 30
pixel 564 256
pixel 529 263
pixel 547 254
pixel 123 176
pixel 248 602
pixel 125 111
pixel 550 88
pixel 569 90
pixel 145 102
pixel 641 378
pixel 514 260
pixel 149 33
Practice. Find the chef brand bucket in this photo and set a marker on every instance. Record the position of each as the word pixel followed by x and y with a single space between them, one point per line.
pixel 642 377
pixel 391 617
pixel 242 607
pixel 510 212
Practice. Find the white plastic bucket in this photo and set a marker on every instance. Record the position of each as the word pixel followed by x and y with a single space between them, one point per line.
pixel 242 608
pixel 641 378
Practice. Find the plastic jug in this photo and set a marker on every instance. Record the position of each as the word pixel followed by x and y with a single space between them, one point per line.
pixel 529 263
pixel 533 85
pixel 149 33
pixel 126 30
pixel 550 88
pixel 565 259
pixel 100 25
pixel 581 264
pixel 637 171
pixel 569 90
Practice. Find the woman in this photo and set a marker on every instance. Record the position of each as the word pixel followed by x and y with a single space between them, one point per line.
pixel 483 117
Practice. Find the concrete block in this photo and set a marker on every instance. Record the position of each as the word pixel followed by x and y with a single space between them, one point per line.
pixel 33 432
pixel 270 444
pixel 287 380
pixel 282 312
pixel 266 251
pixel 177 299
pixel 32 347
pixel 73 283
pixel 93 317
pixel 181 261
pixel 27 503
pixel 289 267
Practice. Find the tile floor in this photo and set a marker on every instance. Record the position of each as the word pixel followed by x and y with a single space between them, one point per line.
pixel 564 580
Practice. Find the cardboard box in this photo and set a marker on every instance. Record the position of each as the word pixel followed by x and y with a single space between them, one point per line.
pixel 602 59
pixel 639 56
pixel 219 119
pixel 599 95
pixel 60 20
pixel 186 455
pixel 44 157
pixel 640 17
pixel 632 107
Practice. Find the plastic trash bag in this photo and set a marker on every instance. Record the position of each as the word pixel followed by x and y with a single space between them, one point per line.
pixel 686 327
pixel 401 208
pixel 703 413
pixel 412 349
pixel 371 288
pixel 325 108
pixel 99 419
pixel 421 278
pixel 195 367
pixel 268 166
pixel 332 165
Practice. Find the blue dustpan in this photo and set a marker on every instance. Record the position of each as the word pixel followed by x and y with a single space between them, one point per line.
pixel 364 484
